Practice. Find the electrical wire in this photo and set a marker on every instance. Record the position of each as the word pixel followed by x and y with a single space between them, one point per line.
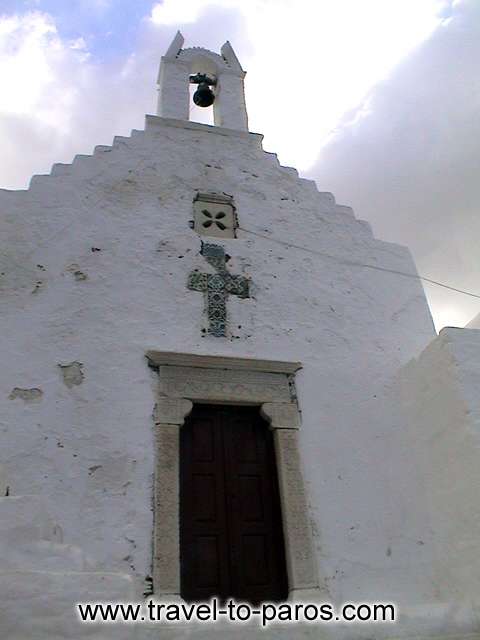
pixel 352 263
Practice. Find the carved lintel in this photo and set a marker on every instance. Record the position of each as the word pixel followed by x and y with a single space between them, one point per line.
pixel 281 415
pixel 217 385
pixel 171 410
pixel 190 360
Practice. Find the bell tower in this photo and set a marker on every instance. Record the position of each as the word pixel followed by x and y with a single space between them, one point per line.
pixel 220 79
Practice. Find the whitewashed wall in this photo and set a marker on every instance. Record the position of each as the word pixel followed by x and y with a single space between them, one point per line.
pixel 94 270
pixel 441 400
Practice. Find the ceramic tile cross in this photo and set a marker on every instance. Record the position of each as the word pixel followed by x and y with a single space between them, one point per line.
pixel 217 287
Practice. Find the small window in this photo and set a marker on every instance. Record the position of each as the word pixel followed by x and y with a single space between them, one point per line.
pixel 214 215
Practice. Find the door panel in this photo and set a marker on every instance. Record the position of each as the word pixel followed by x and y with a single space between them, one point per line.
pixel 205 498
pixel 203 553
pixel 231 538
pixel 207 561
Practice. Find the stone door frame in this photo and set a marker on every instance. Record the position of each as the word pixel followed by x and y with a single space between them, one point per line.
pixel 269 384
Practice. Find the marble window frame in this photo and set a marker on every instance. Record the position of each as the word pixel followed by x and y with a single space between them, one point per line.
pixel 185 379
pixel 205 200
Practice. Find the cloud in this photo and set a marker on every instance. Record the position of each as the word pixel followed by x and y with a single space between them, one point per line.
pixel 35 104
pixel 171 12
pixel 408 159
pixel 58 101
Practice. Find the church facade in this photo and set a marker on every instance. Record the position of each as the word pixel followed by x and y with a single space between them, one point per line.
pixel 216 381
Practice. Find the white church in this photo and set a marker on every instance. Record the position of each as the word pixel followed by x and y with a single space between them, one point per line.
pixel 216 382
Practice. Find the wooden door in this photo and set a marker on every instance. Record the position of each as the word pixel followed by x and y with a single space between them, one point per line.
pixel 231 541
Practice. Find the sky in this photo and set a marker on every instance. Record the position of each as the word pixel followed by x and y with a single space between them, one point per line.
pixel 376 100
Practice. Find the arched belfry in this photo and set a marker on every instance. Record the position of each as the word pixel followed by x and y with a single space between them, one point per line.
pixel 177 67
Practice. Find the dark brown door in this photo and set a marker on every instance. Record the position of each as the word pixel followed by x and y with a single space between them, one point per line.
pixel 231 542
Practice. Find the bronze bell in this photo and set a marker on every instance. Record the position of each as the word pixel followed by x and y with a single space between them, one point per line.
pixel 203 96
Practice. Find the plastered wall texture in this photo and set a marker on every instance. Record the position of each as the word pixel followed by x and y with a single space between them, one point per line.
pixel 441 397
pixel 121 217
pixel 42 578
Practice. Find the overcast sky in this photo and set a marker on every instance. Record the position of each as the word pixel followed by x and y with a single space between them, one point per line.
pixel 377 100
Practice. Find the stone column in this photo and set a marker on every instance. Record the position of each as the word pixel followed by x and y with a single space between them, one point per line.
pixel 173 90
pixel 229 109
pixel 301 561
pixel 169 417
pixel 173 84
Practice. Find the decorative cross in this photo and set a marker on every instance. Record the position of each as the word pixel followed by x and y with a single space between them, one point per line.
pixel 217 287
